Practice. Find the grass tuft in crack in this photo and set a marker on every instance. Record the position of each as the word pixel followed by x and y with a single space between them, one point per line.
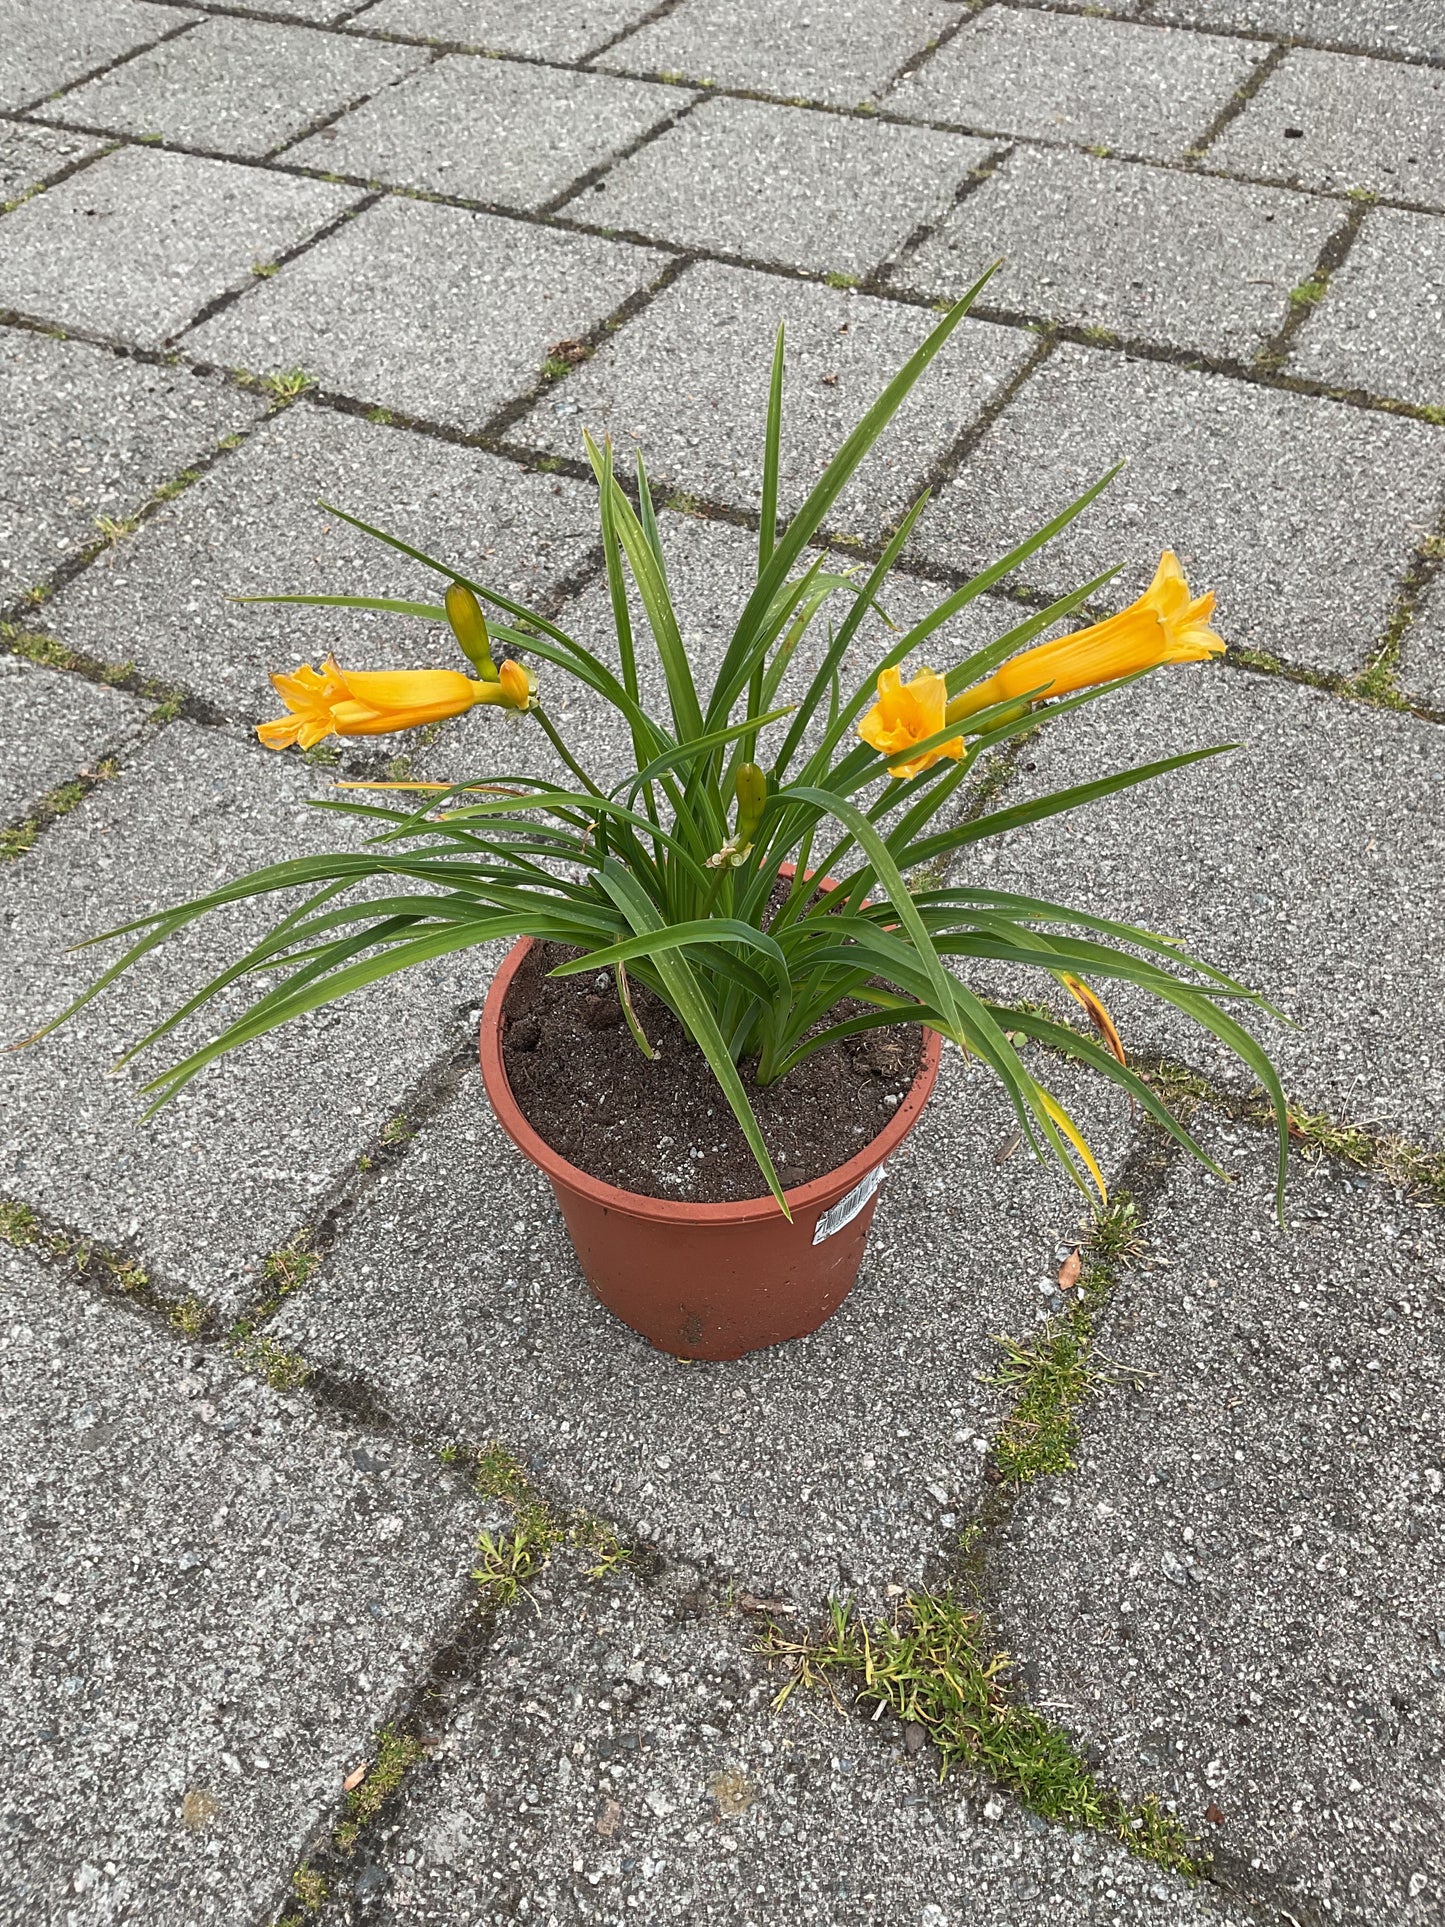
pixel 396 1755
pixel 934 1664
pixel 508 1560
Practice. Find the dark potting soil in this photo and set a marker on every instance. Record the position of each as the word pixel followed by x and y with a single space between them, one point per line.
pixel 663 1127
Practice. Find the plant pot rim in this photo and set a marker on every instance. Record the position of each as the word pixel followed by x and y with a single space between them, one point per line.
pixel 803 1198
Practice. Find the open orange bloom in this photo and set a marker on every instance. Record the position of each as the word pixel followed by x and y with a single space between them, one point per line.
pixel 378 702
pixel 906 713
pixel 1166 624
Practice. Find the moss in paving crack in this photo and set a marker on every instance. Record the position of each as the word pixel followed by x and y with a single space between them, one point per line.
pixel 1394 1159
pixel 60 801
pixel 934 1664
pixel 19 1225
pixel 509 1559
pixel 396 1754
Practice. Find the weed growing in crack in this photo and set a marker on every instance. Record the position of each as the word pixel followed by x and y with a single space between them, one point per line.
pixel 935 1664
pixel 509 1559
pixel 396 1755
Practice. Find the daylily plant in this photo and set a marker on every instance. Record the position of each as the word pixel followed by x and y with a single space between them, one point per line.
pixel 672 874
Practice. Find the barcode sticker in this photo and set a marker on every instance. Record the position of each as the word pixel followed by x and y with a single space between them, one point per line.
pixel 847 1208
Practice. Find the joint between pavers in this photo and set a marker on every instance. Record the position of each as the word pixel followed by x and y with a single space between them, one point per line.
pixel 107 67
pixel 1236 104
pixel 63 173
pixel 1309 293
pixel 26 828
pixel 1147 16
pixel 232 295
pixel 604 167
pixel 323 121
pixel 879 278
pixel 659 12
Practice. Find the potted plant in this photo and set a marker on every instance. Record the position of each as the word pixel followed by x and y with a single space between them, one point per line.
pixel 715 941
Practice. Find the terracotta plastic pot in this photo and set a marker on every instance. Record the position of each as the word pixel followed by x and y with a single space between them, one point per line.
pixel 710 1280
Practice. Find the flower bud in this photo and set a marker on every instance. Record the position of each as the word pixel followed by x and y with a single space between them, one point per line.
pixel 752 792
pixel 469 626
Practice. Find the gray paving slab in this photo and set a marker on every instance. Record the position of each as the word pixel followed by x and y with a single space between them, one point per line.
pixel 687 382
pixel 537 130
pixel 235 86
pixel 1337 122
pixel 843 56
pixel 253 527
pixel 1368 26
pixel 215 1600
pixel 1241 1592
pixel 137 244
pixel 29 156
pixel 837 1463
pixel 91 433
pixel 565 30
pixel 46 48
pixel 1065 77
pixel 824 191
pixel 437 311
pixel 611 1696
pixel 53 727
pixel 1382 325
pixel 206 1189
pixel 1422 672
pixel 1185 260
pixel 1308 863
pixel 1337 498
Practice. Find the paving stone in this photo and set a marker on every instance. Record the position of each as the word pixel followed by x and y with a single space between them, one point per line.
pixel 687 382
pixel 564 30
pixel 725 1811
pixel 1422 673
pixel 44 48
pixel 215 1601
pixel 1185 260
pixel 1240 1592
pixel 137 244
pixel 53 727
pixel 1301 512
pixel 843 55
pixel 30 155
pixel 1382 325
pixel 434 310
pixel 253 527
pixel 236 86
pixel 831 1464
pixel 223 1175
pixel 1369 26
pixel 1331 121
pixel 1309 863
pixel 91 433
pixel 545 128
pixel 825 191
pixel 1063 77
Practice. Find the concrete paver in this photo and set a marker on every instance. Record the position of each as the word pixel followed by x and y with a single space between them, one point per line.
pixel 254 527
pixel 233 86
pixel 91 434
pixel 46 48
pixel 835 1464
pixel 1185 260
pixel 1358 26
pixel 723 1811
pixel 439 312
pixel 1382 325
pixel 31 155
pixel 138 243
pixel 1308 863
pixel 1067 77
pixel 827 191
pixel 1339 498
pixel 54 727
pixel 1422 670
pixel 545 127
pixel 565 30
pixel 844 57
pixel 1238 1598
pixel 687 382
pixel 213 1592
pixel 1331 121
pixel 223 1176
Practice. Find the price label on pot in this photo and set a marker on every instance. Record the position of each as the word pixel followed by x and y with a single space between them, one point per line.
pixel 848 1207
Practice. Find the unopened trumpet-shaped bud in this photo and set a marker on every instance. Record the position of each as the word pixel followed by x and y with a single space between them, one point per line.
pixel 752 794
pixel 379 702
pixel 469 626
pixel 1166 624
pixel 907 713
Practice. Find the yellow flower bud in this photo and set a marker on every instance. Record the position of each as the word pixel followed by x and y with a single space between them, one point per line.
pixel 469 626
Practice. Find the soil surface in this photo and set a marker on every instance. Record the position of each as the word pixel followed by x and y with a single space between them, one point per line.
pixel 663 1127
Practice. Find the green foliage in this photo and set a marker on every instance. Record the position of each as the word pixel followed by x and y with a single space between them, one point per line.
pixel 655 874
pixel 508 1560
pixel 396 1755
pixel 934 1664
pixel 1051 1377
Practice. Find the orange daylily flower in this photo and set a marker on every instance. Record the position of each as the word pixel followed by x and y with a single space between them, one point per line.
pixel 906 713
pixel 1166 624
pixel 378 702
